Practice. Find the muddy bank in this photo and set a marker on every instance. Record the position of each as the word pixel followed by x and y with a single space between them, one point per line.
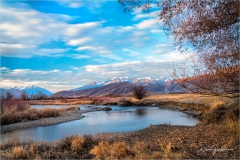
pixel 64 117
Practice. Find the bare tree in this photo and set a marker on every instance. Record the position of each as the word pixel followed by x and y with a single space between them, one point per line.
pixel 24 95
pixel 139 92
pixel 208 29
pixel 9 95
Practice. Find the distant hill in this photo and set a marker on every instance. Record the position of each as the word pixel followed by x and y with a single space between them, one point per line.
pixel 30 90
pixel 122 88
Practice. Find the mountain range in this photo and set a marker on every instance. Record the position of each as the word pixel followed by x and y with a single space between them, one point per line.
pixel 111 86
pixel 135 81
pixel 123 89
pixel 30 90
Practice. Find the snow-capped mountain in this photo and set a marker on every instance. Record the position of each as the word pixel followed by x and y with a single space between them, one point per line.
pixel 136 81
pixel 30 90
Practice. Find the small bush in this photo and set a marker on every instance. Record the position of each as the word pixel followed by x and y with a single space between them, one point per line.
pixel 49 112
pixel 124 102
pixel 217 106
pixel 20 153
pixel 141 150
pixel 32 114
pixel 81 144
pixel 102 150
pixel 120 150
pixel 73 108
pixel 77 144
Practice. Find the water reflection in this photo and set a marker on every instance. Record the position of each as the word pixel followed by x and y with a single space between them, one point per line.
pixel 140 112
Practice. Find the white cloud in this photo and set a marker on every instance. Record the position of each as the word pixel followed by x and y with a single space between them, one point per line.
pixel 147 24
pixel 130 51
pixel 125 28
pixel 49 52
pixel 156 31
pixel 75 42
pixel 3 68
pixel 93 6
pixel 23 30
pixel 84 40
pixel 151 15
pixel 76 29
pixel 75 5
pixel 98 49
pixel 16 50
pixel 133 68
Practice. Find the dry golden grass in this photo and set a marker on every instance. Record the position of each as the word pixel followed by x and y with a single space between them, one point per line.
pixel 156 155
pixel 217 105
pixel 102 150
pixel 77 144
pixel 66 148
pixel 18 111
pixel 21 153
pixel 72 108
pixel 192 98
pixel 140 150
pixel 119 150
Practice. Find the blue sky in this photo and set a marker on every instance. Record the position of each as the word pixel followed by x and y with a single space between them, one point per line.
pixel 61 45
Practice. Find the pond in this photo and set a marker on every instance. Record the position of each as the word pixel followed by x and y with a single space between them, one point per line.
pixel 119 119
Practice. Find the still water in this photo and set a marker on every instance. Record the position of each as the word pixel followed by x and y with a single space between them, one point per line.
pixel 119 119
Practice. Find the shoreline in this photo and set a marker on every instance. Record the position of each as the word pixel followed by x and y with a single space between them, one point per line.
pixel 66 116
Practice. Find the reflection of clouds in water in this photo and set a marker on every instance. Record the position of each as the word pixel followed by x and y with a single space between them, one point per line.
pixel 51 106
pixel 106 117
pixel 96 118
pixel 121 116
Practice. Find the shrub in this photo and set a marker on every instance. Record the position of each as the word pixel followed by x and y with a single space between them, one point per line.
pixel 102 150
pixel 20 153
pixel 218 105
pixel 32 114
pixel 49 112
pixel 72 108
pixel 140 149
pixel 81 144
pixel 124 102
pixel 77 144
pixel 120 150
pixel 139 92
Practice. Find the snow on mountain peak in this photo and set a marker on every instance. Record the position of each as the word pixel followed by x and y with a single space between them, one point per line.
pixel 121 79
pixel 29 89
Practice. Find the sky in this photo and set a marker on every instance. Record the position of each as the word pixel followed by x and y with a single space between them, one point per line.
pixel 60 45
